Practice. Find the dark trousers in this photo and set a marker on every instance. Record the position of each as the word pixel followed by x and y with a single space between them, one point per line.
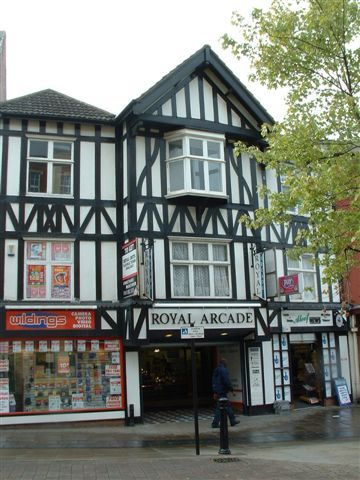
pixel 229 411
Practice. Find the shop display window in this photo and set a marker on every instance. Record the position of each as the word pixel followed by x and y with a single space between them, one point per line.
pixel 62 375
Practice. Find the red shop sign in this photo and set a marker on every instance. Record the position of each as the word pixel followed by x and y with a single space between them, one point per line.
pixel 50 320
pixel 289 284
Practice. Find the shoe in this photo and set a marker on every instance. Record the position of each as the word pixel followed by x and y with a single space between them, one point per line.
pixel 215 426
pixel 235 423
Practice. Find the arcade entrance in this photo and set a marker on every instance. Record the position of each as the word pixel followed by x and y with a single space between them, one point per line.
pixel 166 378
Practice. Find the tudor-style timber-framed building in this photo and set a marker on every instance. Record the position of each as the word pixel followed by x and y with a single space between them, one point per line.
pixel 120 240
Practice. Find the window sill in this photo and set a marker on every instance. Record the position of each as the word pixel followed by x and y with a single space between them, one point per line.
pixel 197 199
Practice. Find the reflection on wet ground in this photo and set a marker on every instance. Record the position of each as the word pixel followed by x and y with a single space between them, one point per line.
pixel 318 423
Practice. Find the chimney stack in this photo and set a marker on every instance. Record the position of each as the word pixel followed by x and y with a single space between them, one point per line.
pixel 2 66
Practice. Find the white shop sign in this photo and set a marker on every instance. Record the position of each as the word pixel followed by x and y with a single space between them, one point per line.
pixel 255 375
pixel 306 318
pixel 191 332
pixel 175 319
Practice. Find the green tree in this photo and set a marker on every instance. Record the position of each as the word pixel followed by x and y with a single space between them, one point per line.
pixel 311 48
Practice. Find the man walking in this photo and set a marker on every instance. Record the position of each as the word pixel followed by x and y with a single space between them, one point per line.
pixel 221 385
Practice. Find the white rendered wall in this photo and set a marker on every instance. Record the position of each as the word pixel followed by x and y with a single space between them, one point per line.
pixel 13 173
pixel 109 271
pixel 268 372
pixel 108 191
pixel 239 271
pixel 87 271
pixel 87 170
pixel 133 382
pixel 159 269
pixel 11 271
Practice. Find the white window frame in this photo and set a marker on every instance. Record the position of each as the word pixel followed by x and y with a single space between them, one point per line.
pixel 294 210
pixel 50 161
pixel 48 263
pixel 185 136
pixel 306 295
pixel 191 263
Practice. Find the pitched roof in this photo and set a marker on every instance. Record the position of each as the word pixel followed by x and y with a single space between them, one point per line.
pixel 54 105
pixel 203 58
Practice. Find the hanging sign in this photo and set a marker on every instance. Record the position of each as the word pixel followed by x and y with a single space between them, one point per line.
pixel 129 269
pixel 259 270
pixel 289 284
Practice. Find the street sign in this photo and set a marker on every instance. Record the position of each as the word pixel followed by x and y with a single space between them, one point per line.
pixel 192 332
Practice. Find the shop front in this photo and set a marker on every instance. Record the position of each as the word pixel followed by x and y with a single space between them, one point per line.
pixel 178 332
pixel 55 367
pixel 310 354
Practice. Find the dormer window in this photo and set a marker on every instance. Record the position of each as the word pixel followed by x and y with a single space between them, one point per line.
pixel 195 164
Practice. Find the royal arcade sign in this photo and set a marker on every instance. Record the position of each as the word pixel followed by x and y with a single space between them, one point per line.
pixel 209 318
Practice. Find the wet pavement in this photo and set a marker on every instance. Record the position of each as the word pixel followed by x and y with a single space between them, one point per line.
pixel 316 442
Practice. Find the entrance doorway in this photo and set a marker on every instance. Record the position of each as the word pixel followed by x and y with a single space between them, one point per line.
pixel 166 377
pixel 305 367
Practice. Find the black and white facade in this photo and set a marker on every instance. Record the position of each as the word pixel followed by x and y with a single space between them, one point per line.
pixel 60 344
pixel 135 234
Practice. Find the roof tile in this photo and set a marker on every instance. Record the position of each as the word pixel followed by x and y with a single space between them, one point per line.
pixel 51 104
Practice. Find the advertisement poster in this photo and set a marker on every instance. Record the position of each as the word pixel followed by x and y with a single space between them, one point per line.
pixel 255 373
pixel 115 357
pixel 112 370
pixel 4 365
pixel 111 345
pixel 36 250
pixel 60 281
pixel 29 346
pixel 342 392
pixel 4 403
pixel 4 385
pixel 4 347
pixel 43 346
pixel 77 400
pixel 129 269
pixel 113 401
pixel 54 402
pixel 61 251
pixel 68 346
pixel 16 346
pixel 36 281
pixel 115 386
pixel 81 345
pixel 95 345
pixel 50 320
pixel 63 363
pixel 55 345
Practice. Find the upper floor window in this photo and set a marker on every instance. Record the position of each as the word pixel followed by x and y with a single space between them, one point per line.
pixel 200 269
pixel 48 270
pixel 305 267
pixel 284 188
pixel 195 164
pixel 50 166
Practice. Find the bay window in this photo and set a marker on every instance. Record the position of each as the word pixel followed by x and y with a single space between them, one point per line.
pixel 195 164
pixel 200 269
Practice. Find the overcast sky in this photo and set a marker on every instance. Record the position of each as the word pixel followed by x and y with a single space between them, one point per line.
pixel 109 52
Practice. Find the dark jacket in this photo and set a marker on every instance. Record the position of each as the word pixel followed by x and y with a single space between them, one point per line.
pixel 221 383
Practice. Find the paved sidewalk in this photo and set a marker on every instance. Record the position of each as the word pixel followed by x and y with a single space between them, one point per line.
pixel 317 443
